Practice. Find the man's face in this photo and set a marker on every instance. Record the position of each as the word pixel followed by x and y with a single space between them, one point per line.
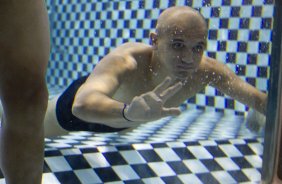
pixel 180 49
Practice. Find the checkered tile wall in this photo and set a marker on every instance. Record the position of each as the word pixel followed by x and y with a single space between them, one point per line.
pixel 82 32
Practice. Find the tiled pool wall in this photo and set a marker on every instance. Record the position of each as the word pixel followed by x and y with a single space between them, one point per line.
pixel 82 32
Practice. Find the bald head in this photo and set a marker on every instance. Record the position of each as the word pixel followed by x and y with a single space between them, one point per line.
pixel 180 17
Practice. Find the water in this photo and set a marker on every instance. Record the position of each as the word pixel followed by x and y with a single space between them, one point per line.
pixel 239 35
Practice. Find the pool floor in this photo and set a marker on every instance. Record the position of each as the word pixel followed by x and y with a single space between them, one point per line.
pixel 195 147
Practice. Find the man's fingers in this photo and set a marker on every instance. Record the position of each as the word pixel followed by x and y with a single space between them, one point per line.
pixel 169 92
pixel 174 111
pixel 162 86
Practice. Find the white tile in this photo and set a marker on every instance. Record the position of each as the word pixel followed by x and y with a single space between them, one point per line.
pixel 49 178
pixel 57 164
pixel 161 169
pixel 132 157
pixel 70 151
pixel 142 146
pixel 96 160
pixel 254 160
pixel 257 148
pixel 87 176
pixel 153 181
pixel 167 154
pixel 125 172
pixel 195 166
pixel 200 152
pixel 192 178
pixel 227 164
pixel 104 149
pixel 223 177
pixel 230 150
pixel 253 174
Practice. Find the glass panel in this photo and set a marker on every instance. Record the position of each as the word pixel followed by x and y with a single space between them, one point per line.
pixel 211 123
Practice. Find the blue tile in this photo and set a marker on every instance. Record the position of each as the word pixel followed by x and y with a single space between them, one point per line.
pixel 143 170
pixel 107 174
pixel 67 177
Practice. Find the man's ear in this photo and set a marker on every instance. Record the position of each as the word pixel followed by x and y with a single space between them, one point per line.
pixel 153 39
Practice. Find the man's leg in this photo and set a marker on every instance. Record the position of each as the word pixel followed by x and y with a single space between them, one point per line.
pixel 24 54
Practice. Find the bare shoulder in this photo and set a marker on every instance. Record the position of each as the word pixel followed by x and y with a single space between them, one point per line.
pixel 132 52
pixel 133 48
pixel 210 65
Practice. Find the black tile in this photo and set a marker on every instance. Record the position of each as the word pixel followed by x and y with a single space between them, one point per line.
pixel 252 59
pixel 114 158
pixel 251 80
pixel 211 165
pixel 124 147
pixel 207 178
pixel 206 2
pixel 235 11
pixel 262 71
pixel 229 103
pixel 215 151
pixel 172 179
pixel 268 2
pixel 150 155
pixel 242 47
pixel 233 35
pixel 244 149
pixel 226 2
pixel 133 182
pixel 221 46
pixel 218 93
pixel 254 35
pixel 191 143
pixel 257 11
pixel 67 177
pixel 89 150
pixel 240 70
pixel 230 57
pixel 107 174
pixel 209 100
pixel 143 170
pixel 212 34
pixel 239 176
pixel 159 145
pixel 263 47
pixel 241 162
pixel 52 153
pixel 179 167
pixel 223 23
pixel 266 23
pixel 77 162
pixel 215 12
pixel 184 153
pixel 247 2
pixel 156 3
pixel 251 140
pixel 244 23
pixel 211 54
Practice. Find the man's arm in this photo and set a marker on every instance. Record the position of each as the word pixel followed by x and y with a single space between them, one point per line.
pixel 225 80
pixel 93 101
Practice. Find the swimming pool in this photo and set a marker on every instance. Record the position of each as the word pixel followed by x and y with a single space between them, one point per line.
pixel 191 147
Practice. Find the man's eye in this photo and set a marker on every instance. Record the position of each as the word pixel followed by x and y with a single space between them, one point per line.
pixel 177 45
pixel 198 48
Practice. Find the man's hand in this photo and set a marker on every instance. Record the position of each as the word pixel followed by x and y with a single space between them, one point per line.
pixel 255 121
pixel 150 106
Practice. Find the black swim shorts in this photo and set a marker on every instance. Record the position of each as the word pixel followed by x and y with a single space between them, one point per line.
pixel 71 123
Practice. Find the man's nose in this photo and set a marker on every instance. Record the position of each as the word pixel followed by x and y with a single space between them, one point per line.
pixel 187 59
